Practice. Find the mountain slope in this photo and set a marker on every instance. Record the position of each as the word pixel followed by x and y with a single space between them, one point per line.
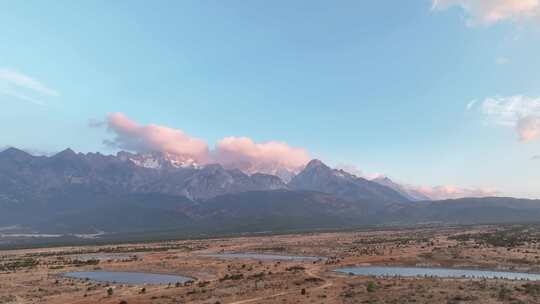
pixel 317 176
pixel 410 194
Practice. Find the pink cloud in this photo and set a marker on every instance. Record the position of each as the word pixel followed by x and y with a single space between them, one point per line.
pixel 528 128
pixel 522 113
pixel 232 152
pixel 453 192
pixel 488 12
pixel 131 136
pixel 244 154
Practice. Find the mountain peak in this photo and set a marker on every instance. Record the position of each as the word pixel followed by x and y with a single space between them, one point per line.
pixel 382 178
pixel 67 153
pixel 13 151
pixel 319 177
pixel 316 163
pixel 16 154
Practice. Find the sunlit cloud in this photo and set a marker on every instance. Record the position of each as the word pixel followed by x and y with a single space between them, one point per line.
pixel 488 12
pixel 232 152
pixel 528 128
pixel 130 135
pixel 522 113
pixel 23 87
pixel 244 154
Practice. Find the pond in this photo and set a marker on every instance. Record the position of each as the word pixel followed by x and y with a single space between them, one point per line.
pixel 127 277
pixel 437 272
pixel 261 256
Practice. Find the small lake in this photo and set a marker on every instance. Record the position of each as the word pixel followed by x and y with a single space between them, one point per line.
pixel 261 256
pixel 127 277
pixel 388 271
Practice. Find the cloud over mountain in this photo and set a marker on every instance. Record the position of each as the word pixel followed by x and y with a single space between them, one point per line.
pixel 232 152
pixel 488 12
pixel 129 135
pixel 244 154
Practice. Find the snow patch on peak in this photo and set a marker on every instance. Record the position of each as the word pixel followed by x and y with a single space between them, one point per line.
pixel 157 160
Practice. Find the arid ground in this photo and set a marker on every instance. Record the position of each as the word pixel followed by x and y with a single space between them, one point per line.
pixel 35 275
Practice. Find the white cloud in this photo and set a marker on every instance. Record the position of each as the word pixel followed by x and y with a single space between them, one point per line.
pixel 519 112
pixel 488 12
pixel 23 87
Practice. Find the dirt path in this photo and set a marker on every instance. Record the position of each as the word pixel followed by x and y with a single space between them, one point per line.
pixel 310 272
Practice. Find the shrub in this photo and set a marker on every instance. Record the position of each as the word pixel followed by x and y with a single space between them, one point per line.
pixel 371 286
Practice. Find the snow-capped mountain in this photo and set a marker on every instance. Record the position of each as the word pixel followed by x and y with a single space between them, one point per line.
pixel 158 160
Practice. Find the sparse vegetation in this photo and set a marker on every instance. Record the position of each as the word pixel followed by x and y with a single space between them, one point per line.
pixel 297 281
pixel 371 286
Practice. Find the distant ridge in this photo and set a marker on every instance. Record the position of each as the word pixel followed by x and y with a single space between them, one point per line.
pixel 73 192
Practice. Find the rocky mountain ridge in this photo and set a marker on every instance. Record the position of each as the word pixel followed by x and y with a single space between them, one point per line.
pixel 73 192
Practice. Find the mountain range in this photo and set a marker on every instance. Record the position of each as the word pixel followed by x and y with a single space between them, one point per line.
pixel 73 192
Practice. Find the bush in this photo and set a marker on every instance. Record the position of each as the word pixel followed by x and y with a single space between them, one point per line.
pixel 371 286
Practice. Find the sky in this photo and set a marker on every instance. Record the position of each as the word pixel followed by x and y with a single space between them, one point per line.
pixel 440 94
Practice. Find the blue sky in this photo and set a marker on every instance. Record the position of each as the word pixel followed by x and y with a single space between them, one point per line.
pixel 383 86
